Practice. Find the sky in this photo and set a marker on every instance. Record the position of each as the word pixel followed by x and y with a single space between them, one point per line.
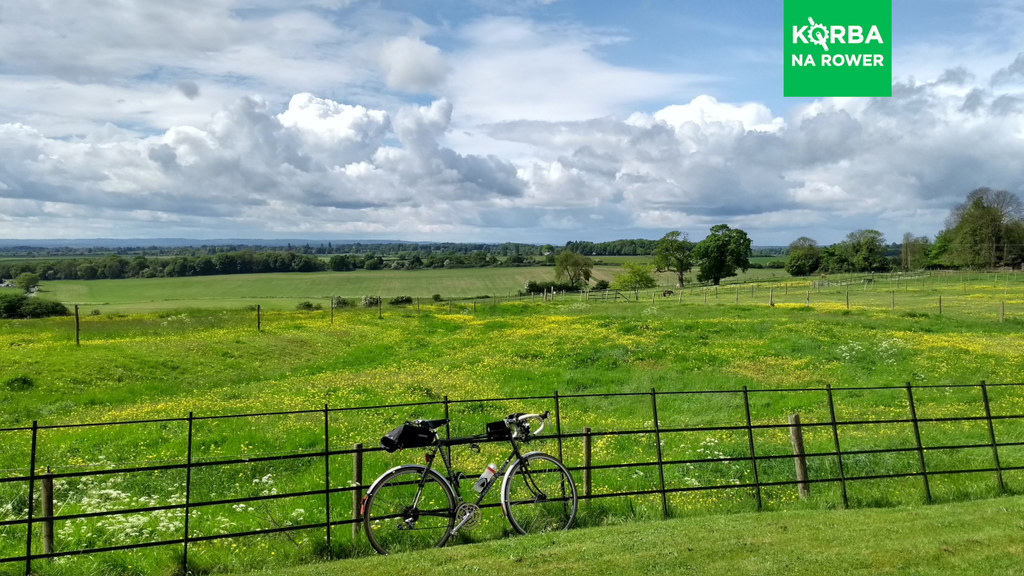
pixel 539 121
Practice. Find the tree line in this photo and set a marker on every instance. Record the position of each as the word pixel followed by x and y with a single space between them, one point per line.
pixel 116 266
pixel 986 231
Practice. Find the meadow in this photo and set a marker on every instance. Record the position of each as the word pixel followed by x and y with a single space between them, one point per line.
pixel 285 291
pixel 211 359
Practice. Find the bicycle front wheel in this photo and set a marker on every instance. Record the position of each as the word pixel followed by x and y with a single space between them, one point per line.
pixel 538 495
pixel 408 509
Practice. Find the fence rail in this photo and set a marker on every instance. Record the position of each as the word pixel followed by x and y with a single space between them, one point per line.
pixel 757 466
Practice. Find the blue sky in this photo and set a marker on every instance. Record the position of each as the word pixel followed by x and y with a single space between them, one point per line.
pixel 485 120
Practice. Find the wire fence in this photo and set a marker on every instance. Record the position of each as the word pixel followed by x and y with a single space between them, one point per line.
pixel 744 442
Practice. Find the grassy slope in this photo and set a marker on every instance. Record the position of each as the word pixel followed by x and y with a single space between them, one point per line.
pixel 983 538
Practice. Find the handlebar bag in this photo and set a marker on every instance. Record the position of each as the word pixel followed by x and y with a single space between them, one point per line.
pixel 407 435
pixel 498 430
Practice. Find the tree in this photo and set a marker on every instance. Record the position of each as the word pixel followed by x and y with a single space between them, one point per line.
pixel 721 253
pixel 804 257
pixel 673 253
pixel 27 281
pixel 983 229
pixel 864 250
pixel 635 277
pixel 914 252
pixel 573 268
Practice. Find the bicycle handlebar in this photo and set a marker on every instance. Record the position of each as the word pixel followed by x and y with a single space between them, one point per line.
pixel 520 423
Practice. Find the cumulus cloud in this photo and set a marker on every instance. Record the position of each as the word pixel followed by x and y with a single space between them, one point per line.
pixel 412 65
pixel 317 167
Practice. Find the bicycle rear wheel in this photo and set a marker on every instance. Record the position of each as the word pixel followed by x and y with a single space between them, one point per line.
pixel 399 516
pixel 538 495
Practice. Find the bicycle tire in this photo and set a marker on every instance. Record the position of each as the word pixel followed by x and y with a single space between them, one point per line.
pixel 391 522
pixel 538 494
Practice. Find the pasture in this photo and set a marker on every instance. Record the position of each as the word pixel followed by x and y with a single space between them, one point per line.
pixel 209 358
pixel 285 291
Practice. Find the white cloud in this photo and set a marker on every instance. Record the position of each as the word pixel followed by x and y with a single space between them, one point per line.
pixel 412 65
pixel 113 122
pixel 517 69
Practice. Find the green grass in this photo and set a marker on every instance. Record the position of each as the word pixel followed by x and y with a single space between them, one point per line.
pixel 214 361
pixel 285 291
pixel 978 538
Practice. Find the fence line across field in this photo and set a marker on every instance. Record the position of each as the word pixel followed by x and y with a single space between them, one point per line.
pixel 758 455
pixel 850 291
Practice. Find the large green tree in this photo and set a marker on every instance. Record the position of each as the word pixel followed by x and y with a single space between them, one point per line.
pixel 804 257
pixel 724 251
pixel 985 230
pixel 673 253
pixel 573 268
pixel 864 250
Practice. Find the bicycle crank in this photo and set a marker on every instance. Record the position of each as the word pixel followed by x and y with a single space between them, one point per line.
pixel 468 515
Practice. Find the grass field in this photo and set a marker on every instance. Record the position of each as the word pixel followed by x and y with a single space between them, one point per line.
pixel 285 291
pixel 974 539
pixel 210 359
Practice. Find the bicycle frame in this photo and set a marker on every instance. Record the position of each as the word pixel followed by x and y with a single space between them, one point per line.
pixel 451 478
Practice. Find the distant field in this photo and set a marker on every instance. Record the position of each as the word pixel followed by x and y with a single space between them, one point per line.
pixel 285 291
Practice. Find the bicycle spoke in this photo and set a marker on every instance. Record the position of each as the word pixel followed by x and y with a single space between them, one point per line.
pixel 539 495
pixel 393 524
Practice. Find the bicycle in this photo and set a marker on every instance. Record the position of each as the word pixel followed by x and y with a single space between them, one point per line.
pixel 413 506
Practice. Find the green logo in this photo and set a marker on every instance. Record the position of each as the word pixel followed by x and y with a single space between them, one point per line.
pixel 837 48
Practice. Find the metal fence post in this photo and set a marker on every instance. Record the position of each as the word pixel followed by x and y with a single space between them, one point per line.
pixel 920 446
pixel 657 445
pixel 558 424
pixel 327 478
pixel 587 455
pixel 750 442
pixel 31 497
pixel 992 438
pixel 188 495
pixel 835 441
pixel 46 502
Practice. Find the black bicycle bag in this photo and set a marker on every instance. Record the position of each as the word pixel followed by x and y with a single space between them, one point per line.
pixel 407 435
pixel 498 430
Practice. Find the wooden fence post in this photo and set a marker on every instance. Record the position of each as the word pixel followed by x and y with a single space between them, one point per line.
pixel 259 318
pixel 46 500
pixel 78 328
pixel 796 437
pixel 357 494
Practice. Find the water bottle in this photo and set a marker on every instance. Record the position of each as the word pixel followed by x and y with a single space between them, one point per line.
pixel 484 478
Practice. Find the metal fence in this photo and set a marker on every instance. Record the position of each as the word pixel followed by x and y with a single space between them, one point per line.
pixel 761 446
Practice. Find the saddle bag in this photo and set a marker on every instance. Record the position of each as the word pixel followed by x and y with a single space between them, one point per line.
pixel 407 435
